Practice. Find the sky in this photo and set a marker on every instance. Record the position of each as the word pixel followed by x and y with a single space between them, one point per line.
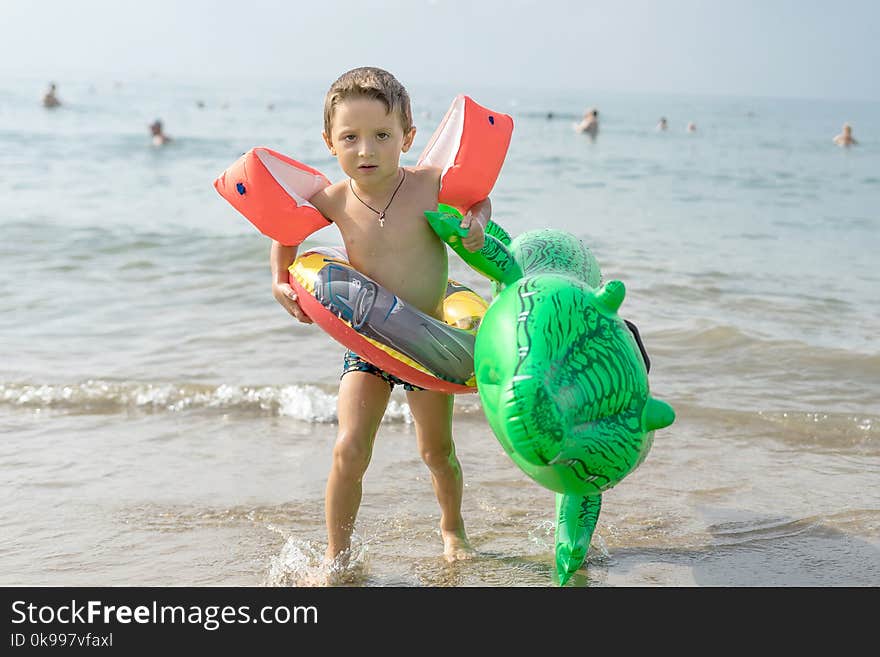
pixel 771 48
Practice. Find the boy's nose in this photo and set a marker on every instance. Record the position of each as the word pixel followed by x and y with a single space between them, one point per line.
pixel 366 148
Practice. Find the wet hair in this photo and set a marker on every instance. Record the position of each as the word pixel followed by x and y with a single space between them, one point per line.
pixel 373 83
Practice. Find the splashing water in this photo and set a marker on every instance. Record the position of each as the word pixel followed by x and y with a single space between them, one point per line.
pixel 301 563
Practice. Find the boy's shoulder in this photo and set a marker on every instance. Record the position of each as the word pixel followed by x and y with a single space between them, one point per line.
pixel 428 176
pixel 330 199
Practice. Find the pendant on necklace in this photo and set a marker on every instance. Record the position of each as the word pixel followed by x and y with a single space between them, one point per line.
pixel 381 213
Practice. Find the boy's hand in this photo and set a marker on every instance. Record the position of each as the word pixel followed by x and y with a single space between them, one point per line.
pixel 285 295
pixel 476 235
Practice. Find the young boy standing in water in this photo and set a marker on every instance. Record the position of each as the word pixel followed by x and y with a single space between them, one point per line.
pixel 379 210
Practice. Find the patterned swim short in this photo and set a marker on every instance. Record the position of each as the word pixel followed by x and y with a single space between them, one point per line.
pixel 354 363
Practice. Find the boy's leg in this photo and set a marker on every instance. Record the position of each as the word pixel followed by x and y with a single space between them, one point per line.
pixel 363 398
pixel 432 412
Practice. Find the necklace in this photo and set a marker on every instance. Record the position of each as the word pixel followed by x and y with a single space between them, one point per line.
pixel 382 213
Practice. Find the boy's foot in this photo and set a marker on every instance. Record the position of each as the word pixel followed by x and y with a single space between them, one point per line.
pixel 338 561
pixel 345 568
pixel 334 567
pixel 456 546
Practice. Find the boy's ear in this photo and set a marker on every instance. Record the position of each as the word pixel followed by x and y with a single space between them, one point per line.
pixel 329 143
pixel 408 139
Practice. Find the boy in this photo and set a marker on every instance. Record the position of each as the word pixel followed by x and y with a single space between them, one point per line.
pixel 379 211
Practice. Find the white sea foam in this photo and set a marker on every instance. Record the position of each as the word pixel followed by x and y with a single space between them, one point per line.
pixel 301 563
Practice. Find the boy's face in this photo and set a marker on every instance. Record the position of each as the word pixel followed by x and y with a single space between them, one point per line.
pixel 367 140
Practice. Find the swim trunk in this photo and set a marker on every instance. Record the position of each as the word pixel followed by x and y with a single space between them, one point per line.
pixel 354 363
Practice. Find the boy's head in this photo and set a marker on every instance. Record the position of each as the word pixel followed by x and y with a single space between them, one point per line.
pixel 373 83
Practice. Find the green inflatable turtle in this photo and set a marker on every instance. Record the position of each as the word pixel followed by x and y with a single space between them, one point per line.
pixel 563 380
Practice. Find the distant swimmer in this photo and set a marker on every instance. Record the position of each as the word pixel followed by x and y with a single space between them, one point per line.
pixel 845 137
pixel 590 123
pixel 692 127
pixel 50 99
pixel 159 137
pixel 661 124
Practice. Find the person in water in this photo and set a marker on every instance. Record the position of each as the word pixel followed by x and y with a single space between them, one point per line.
pixel 50 98
pixel 590 123
pixel 159 136
pixel 845 137
pixel 379 210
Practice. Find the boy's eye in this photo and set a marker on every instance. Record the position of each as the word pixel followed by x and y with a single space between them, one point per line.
pixel 383 135
pixel 348 138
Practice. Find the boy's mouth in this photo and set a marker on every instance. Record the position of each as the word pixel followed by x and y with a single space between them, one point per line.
pixel 367 167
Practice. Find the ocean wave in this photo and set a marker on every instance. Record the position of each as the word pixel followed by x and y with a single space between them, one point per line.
pixel 726 366
pixel 308 403
pixel 732 344
pixel 817 431
pixel 104 397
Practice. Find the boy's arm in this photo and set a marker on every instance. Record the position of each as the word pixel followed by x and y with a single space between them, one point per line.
pixel 475 220
pixel 280 258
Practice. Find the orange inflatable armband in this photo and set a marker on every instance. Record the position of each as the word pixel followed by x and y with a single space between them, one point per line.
pixel 469 145
pixel 272 191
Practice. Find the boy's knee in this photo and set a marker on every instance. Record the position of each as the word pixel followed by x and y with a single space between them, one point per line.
pixel 351 454
pixel 438 457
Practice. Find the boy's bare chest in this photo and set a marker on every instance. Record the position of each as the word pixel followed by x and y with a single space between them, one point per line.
pixel 402 239
pixel 400 229
pixel 405 256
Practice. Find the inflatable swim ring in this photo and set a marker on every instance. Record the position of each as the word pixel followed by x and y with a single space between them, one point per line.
pixel 272 191
pixel 386 331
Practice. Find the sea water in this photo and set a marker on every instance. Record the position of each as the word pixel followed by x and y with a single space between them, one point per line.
pixel 165 422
